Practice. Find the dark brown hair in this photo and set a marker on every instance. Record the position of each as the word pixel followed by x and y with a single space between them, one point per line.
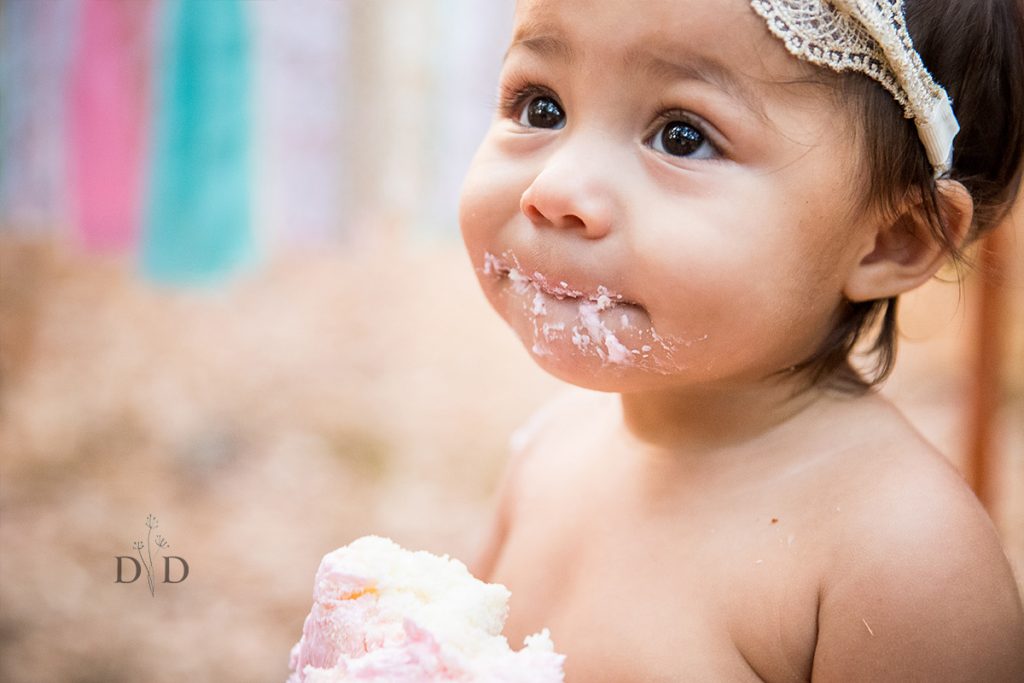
pixel 975 50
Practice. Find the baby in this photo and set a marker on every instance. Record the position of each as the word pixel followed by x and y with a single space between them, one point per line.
pixel 700 207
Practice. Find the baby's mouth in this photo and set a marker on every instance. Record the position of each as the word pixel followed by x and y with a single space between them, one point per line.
pixel 598 323
pixel 507 266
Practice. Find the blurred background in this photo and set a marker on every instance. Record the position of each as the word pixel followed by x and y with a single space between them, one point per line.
pixel 233 296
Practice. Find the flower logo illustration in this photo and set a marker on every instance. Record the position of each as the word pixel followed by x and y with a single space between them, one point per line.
pixel 149 552
pixel 147 562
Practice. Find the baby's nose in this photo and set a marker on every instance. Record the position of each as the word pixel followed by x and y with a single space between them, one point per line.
pixel 572 195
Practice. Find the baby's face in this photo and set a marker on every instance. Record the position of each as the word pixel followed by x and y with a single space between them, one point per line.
pixel 652 205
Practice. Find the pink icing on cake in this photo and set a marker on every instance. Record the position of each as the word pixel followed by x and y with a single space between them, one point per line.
pixel 381 613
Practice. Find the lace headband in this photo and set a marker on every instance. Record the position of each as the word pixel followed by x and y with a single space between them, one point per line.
pixel 871 37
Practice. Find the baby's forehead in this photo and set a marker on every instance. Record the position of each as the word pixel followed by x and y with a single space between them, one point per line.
pixel 725 38
pixel 684 20
pixel 729 31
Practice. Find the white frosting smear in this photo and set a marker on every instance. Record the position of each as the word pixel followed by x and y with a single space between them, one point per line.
pixel 600 323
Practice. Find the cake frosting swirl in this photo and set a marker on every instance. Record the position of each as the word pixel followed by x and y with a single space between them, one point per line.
pixel 383 613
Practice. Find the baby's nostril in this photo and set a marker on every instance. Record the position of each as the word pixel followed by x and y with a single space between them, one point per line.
pixel 565 221
pixel 571 221
pixel 534 214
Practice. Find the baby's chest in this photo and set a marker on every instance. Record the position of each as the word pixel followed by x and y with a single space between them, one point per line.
pixel 626 602
pixel 626 633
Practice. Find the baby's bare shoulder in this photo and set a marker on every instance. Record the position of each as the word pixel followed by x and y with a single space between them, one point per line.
pixel 535 463
pixel 553 443
pixel 918 586
pixel 560 416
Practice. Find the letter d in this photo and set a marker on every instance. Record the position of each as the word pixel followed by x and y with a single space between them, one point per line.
pixel 138 569
pixel 167 568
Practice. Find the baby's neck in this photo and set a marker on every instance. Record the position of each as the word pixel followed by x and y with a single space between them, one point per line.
pixel 706 420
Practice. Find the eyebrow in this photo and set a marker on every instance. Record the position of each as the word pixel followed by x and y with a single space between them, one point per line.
pixel 697 68
pixel 693 67
pixel 544 45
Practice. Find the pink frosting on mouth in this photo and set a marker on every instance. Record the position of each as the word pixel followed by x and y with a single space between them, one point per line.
pixel 508 266
pixel 561 320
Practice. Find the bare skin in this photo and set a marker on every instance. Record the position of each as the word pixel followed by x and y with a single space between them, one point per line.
pixel 811 561
pixel 666 208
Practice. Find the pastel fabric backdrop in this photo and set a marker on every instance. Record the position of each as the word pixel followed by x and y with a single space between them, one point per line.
pixel 197 217
pixel 108 101
pixel 301 94
pixel 199 136
pixel 34 54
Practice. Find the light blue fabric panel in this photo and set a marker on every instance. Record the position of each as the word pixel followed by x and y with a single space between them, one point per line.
pixel 198 206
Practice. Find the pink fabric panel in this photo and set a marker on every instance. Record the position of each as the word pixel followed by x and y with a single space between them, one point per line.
pixel 108 110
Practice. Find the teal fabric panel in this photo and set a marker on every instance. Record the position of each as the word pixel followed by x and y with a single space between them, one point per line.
pixel 198 222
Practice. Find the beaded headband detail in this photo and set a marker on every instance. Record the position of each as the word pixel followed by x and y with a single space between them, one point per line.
pixel 869 37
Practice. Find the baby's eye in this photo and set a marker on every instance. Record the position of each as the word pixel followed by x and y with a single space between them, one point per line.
pixel 681 138
pixel 542 111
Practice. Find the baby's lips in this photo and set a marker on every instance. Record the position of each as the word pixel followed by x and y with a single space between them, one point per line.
pixel 560 282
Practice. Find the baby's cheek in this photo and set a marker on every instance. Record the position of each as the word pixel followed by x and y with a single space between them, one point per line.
pixel 717 322
pixel 472 214
pixel 488 209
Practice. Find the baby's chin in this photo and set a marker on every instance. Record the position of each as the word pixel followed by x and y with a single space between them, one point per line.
pixel 588 370
pixel 588 374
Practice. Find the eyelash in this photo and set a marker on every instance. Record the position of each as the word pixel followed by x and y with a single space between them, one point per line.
pixel 668 115
pixel 514 95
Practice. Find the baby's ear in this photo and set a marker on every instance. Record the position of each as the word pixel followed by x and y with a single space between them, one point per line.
pixel 902 251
